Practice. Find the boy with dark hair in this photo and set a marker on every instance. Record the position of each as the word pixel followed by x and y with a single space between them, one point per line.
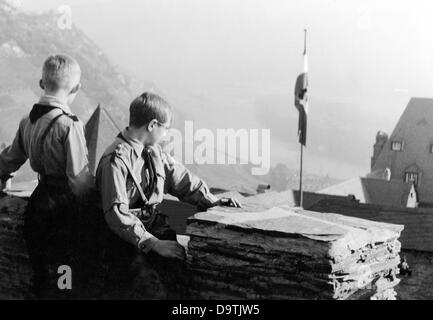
pixel 52 138
pixel 133 176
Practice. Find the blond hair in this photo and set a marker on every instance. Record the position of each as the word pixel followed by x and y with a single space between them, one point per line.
pixel 60 72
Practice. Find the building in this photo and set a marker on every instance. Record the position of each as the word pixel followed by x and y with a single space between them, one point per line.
pixel 263 188
pixel 401 165
pixel 407 154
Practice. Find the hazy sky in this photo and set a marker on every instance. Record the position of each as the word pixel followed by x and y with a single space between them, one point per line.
pixel 367 56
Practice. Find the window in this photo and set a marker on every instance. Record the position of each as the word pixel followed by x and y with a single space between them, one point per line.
pixel 397 146
pixel 431 148
pixel 411 177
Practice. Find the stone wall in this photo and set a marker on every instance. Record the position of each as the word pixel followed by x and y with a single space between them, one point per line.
pixel 15 271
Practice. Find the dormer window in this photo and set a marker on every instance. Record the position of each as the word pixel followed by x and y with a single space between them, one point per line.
pixel 397 146
pixel 411 177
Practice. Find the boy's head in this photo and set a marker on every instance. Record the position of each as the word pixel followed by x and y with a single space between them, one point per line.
pixel 152 114
pixel 61 75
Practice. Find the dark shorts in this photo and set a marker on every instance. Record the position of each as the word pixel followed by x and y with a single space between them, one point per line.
pixel 132 274
pixel 51 234
pixel 59 230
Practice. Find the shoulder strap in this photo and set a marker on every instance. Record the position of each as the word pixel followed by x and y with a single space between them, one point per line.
pixel 45 134
pixel 48 128
pixel 134 179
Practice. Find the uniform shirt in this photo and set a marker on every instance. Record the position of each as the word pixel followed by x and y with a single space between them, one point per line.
pixel 119 194
pixel 62 155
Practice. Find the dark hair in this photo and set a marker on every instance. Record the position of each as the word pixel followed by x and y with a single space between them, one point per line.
pixel 148 107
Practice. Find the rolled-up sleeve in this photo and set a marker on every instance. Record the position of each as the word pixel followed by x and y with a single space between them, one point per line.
pixel 128 227
pixel 111 177
pixel 186 186
pixel 13 157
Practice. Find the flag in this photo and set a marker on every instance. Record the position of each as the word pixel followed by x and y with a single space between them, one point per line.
pixel 301 99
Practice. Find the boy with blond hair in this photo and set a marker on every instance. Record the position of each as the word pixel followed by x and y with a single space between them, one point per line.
pixel 52 138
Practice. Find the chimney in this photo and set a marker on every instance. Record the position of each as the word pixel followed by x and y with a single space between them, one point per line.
pixel 388 174
pixel 263 188
pixel 381 139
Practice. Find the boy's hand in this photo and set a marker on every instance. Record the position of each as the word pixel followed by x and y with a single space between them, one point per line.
pixel 169 249
pixel 228 202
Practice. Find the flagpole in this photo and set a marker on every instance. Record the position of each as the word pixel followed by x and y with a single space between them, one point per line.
pixel 305 41
pixel 301 193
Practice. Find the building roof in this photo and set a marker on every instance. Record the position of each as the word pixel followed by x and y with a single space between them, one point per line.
pixel 373 191
pixel 415 130
pixel 101 130
pixel 353 186
pixel 388 193
pixel 418 223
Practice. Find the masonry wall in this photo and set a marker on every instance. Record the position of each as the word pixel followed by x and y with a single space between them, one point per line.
pixel 416 240
pixel 15 271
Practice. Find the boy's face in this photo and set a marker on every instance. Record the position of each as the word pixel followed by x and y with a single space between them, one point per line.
pixel 157 131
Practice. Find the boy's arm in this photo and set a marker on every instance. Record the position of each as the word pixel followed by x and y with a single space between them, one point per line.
pixel 111 180
pixel 13 157
pixel 77 162
pixel 112 184
pixel 181 183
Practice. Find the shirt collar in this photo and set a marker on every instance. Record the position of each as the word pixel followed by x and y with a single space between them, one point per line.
pixel 136 145
pixel 55 102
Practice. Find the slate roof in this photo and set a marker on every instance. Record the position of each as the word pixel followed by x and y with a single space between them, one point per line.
pixel 352 186
pixel 418 223
pixel 389 193
pixel 101 130
pixel 415 130
pixel 373 191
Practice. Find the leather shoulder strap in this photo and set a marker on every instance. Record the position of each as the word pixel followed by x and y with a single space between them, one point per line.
pixel 44 136
pixel 137 184
pixel 134 179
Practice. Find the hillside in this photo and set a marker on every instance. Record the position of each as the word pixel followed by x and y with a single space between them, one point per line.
pixel 282 178
pixel 26 39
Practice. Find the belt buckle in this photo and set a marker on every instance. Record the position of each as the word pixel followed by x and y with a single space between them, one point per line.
pixel 145 214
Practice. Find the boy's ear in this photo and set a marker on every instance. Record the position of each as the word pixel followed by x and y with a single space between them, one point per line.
pixel 152 125
pixel 41 84
pixel 76 88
